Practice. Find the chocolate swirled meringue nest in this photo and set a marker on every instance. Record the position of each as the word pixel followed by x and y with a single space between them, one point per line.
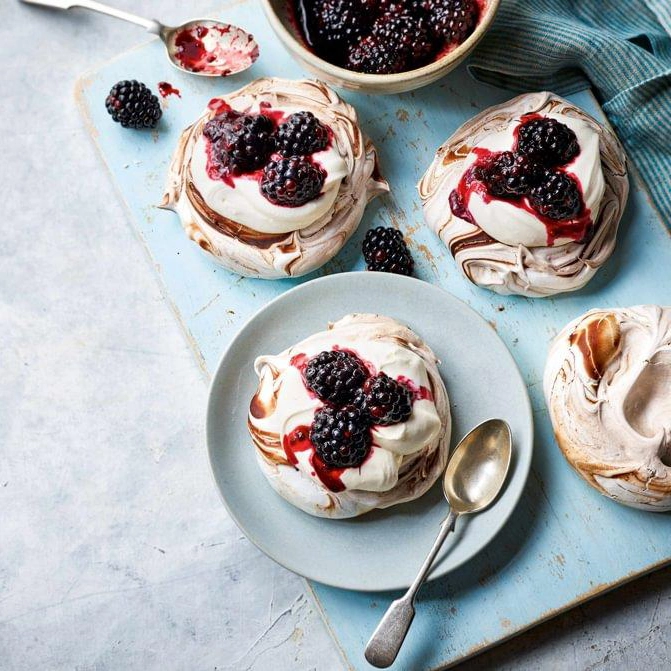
pixel 273 241
pixel 404 459
pixel 607 385
pixel 511 258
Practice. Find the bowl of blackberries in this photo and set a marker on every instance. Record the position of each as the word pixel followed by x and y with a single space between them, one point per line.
pixel 380 46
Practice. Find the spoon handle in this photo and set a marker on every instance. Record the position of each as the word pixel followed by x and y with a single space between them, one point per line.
pixel 148 24
pixel 386 641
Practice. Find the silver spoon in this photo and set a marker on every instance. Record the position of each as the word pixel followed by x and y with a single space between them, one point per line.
pixel 221 50
pixel 473 478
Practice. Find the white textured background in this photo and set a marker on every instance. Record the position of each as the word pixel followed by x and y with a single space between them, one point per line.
pixel 115 552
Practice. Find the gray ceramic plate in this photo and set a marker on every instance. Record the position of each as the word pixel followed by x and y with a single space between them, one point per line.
pixel 383 549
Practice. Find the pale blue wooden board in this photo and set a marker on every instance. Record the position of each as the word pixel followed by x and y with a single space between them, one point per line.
pixel 565 543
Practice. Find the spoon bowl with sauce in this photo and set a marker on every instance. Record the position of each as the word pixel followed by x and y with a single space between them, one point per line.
pixel 202 47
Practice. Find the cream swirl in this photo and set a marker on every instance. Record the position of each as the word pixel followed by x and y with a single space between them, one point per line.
pixel 404 459
pixel 258 240
pixel 517 265
pixel 607 384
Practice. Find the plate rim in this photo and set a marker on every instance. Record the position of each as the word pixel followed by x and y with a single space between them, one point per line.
pixel 209 430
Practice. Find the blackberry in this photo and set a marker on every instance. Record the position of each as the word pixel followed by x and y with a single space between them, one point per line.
pixel 301 134
pixel 384 249
pixel 397 42
pixel 452 20
pixel 409 33
pixel 133 105
pixel 216 128
pixel 291 181
pixel 458 206
pixel 341 436
pixel 557 196
pixel 510 175
pixel 547 141
pixel 339 23
pixel 376 57
pixel 385 400
pixel 395 7
pixel 241 142
pixel 335 376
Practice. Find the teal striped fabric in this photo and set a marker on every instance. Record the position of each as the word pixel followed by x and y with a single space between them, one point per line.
pixel 622 48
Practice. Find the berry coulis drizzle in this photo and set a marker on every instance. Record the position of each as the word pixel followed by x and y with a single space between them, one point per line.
pixel 277 116
pixel 576 228
pixel 224 59
pixel 167 89
pixel 299 441
pixel 299 361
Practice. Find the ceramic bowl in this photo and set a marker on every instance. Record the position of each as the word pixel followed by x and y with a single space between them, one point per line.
pixel 280 18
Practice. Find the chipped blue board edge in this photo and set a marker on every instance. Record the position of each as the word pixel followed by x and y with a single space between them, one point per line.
pixel 566 543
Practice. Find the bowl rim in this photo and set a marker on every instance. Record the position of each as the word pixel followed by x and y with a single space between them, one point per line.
pixel 295 45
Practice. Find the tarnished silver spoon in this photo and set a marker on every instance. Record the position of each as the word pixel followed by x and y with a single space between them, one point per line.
pixel 202 47
pixel 473 478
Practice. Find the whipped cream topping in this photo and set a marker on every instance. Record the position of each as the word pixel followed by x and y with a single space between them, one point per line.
pixel 240 198
pixel 246 233
pixel 506 222
pixel 607 384
pixel 403 457
pixel 499 249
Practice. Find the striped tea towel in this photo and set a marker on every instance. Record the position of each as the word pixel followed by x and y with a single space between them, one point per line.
pixel 622 48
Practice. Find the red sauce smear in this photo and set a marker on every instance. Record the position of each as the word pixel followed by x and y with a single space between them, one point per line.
pixel 219 106
pixel 277 116
pixel 230 55
pixel 330 477
pixel 189 48
pixel 167 89
pixel 299 441
pixel 578 228
pixel 299 361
